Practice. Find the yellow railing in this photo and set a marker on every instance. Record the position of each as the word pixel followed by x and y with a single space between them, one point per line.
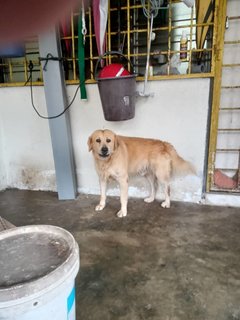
pixel 15 70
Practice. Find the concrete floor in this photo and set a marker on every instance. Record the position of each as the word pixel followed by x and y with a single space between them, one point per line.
pixel 176 264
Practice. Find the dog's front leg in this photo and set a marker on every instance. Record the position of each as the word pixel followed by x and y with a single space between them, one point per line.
pixel 123 196
pixel 103 187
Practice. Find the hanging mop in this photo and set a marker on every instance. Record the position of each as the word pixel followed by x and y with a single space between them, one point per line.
pixel 150 14
pixel 81 52
pixel 143 93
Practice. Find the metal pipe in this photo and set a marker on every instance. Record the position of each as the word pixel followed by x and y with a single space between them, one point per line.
pixel 144 94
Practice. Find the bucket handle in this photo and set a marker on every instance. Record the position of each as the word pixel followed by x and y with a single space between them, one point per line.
pixel 107 54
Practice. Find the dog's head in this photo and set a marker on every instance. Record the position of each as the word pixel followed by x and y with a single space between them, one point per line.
pixel 103 143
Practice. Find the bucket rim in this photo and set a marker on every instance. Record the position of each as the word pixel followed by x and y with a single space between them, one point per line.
pixel 118 78
pixel 20 293
pixel 107 53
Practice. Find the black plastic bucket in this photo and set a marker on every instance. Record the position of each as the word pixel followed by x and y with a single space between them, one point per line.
pixel 118 94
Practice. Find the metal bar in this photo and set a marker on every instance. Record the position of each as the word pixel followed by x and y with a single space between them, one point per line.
pixel 91 43
pixel 119 23
pixel 190 50
pixel 238 171
pixel 220 7
pixel 227 109
pixel 19 64
pixel 109 42
pixel 230 191
pixel 10 71
pixel 230 87
pixel 232 42
pixel 166 52
pixel 227 150
pixel 156 78
pixel 227 169
pixel 135 38
pixel 56 100
pixel 25 69
pixel 128 31
pixel 21 71
pixel 234 18
pixel 214 39
pixel 169 36
pixel 174 27
pixel 73 47
pixel 194 25
pixel 232 65
pixel 228 129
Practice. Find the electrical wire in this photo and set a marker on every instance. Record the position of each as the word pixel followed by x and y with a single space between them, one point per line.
pixel 30 66
pixel 151 8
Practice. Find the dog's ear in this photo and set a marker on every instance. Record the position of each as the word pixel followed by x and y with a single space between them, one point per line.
pixel 116 142
pixel 90 143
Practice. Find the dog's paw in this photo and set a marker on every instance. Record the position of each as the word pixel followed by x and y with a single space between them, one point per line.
pixel 165 204
pixel 121 214
pixel 149 199
pixel 99 207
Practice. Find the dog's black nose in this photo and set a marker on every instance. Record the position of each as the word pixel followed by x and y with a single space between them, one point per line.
pixel 104 150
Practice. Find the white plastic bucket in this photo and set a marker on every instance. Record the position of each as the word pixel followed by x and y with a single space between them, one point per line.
pixel 38 267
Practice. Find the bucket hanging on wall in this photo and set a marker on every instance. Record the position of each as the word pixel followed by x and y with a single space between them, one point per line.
pixel 117 89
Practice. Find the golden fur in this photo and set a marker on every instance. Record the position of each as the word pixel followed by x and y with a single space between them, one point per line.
pixel 118 157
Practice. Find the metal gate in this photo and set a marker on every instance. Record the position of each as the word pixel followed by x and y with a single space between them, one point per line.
pixel 224 146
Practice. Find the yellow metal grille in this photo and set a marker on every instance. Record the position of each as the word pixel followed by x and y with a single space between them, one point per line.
pixel 224 148
pixel 132 33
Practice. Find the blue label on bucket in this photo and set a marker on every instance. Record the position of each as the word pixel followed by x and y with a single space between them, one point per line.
pixel 71 305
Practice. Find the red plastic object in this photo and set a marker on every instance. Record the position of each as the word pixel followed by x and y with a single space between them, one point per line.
pixel 113 70
pixel 221 180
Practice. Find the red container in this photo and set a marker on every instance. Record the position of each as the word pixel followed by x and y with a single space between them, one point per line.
pixel 113 70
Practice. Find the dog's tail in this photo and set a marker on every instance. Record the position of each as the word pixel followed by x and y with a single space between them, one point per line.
pixel 181 167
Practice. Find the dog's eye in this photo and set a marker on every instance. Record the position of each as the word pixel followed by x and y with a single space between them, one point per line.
pixel 98 140
pixel 108 140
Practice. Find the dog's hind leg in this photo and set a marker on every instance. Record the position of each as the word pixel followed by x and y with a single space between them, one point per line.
pixel 166 203
pixel 103 187
pixel 163 177
pixel 151 179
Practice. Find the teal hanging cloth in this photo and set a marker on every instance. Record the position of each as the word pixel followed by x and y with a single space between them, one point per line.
pixel 81 52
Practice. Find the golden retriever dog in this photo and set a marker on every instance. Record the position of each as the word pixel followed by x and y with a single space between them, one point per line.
pixel 119 157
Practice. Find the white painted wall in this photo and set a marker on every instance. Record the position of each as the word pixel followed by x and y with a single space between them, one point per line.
pixel 26 143
pixel 177 113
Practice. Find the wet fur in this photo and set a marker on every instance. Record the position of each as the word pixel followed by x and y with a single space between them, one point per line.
pixel 119 157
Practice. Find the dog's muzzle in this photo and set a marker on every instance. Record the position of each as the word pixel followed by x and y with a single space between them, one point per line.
pixel 104 152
